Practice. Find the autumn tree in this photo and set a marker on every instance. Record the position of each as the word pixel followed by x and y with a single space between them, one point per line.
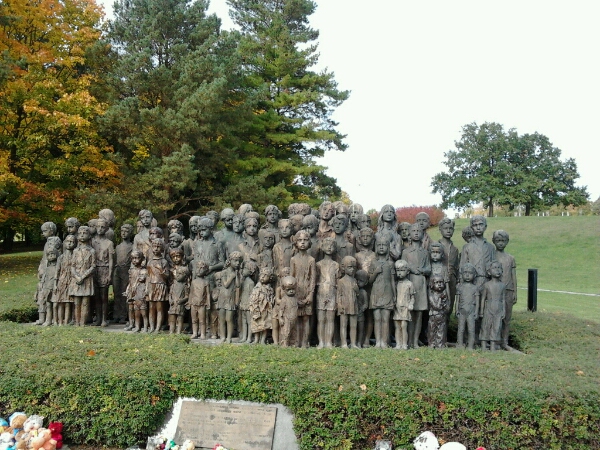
pixel 50 150
pixel 293 103
pixel 496 167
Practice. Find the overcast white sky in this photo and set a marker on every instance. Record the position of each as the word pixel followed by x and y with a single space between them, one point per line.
pixel 420 70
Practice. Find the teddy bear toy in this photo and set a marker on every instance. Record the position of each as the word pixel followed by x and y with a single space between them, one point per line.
pixel 56 430
pixel 43 441
pixel 15 428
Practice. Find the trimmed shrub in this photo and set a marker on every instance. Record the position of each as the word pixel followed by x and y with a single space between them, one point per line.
pixel 115 389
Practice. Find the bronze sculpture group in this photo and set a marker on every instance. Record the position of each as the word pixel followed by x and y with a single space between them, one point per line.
pixel 319 277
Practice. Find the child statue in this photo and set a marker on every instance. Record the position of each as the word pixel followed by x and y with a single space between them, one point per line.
pixel 355 211
pixel 272 216
pixel 208 249
pixel 229 297
pixel 157 284
pixel 214 216
pixel 438 265
pixel 310 223
pixel 500 239
pixel 83 267
pixel 92 226
pixel 344 247
pixel 250 246
pixel 451 256
pixel 405 300
pixel 362 278
pixel 179 290
pixel 478 251
pixel 52 241
pixel 326 213
pixel 120 277
pixel 347 301
pixel 141 241
pixel 61 295
pixel 284 249
pixel 288 308
pixel 135 293
pixel 467 306
pixel 296 221
pixel 420 268
pixel 175 241
pixel 140 303
pixel 328 272
pixel 249 272
pixel 265 257
pixel 71 225
pixel 214 305
pixel 365 256
pixel 199 300
pixel 229 239
pixel 492 307
pixel 105 253
pixel 467 234
pixel 262 299
pixel 404 232
pixel 383 290
pixel 109 217
pixel 46 287
pixel 245 209
pixel 387 228
pixel 189 243
pixel 439 308
pixel 303 269
pixel 175 226
pixel 363 222
pixel 423 219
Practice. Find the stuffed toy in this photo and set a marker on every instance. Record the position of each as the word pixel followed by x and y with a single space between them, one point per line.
pixel 3 425
pixel 187 445
pixel 6 440
pixel 56 430
pixel 426 441
pixel 43 440
pixel 15 422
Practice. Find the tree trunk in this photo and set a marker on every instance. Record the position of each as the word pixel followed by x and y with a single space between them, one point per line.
pixel 527 209
pixel 491 208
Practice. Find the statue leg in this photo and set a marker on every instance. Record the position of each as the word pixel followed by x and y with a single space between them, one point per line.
pixel 152 316
pixel 320 327
pixel 230 317
pixel 172 319
pixel 368 327
pixel 179 328
pixel 222 325
pixel 85 309
pixel 385 328
pixel 329 328
pixel 377 326
pixel 353 323
pixel 343 330
pixel 305 331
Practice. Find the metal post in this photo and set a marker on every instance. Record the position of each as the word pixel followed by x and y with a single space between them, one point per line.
pixel 532 279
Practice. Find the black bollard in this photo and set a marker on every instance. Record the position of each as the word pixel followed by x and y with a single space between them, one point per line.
pixel 532 277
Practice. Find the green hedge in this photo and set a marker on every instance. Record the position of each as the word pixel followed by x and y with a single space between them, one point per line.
pixel 115 389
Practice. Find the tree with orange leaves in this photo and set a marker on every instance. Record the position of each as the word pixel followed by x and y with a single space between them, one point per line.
pixel 50 151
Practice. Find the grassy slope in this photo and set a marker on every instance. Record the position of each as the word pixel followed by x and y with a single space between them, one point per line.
pixel 566 252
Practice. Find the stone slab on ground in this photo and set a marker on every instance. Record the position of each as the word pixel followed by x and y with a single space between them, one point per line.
pixel 283 438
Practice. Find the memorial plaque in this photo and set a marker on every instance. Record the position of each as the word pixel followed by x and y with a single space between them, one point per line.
pixel 232 425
